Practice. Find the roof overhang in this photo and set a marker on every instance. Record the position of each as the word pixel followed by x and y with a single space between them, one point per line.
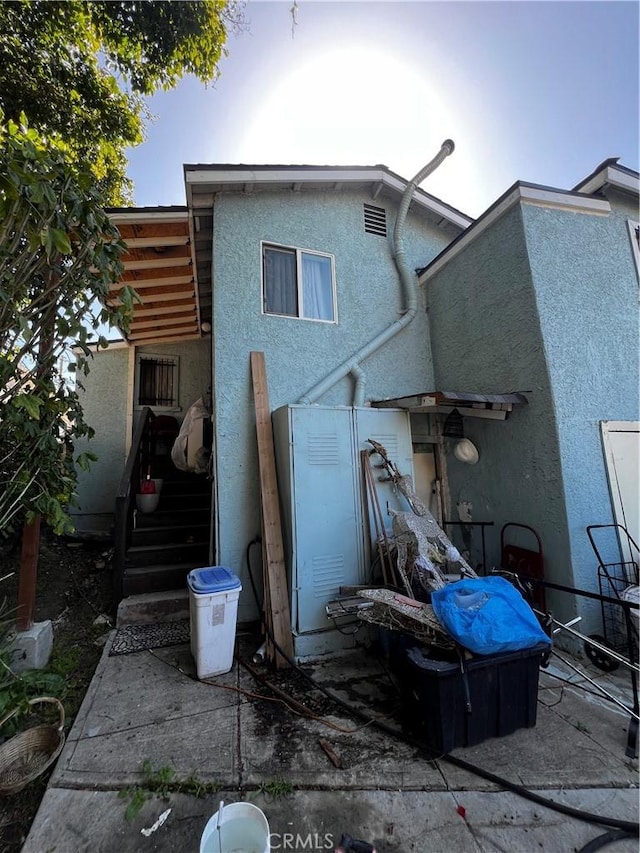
pixel 204 182
pixel 610 174
pixel 492 406
pixel 519 193
pixel 159 265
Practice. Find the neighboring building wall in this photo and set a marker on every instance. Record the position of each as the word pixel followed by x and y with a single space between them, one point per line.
pixel 299 353
pixel 544 302
pixel 104 403
pixel 587 293
pixel 486 337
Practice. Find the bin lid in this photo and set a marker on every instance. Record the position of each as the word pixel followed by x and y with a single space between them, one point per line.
pixel 212 579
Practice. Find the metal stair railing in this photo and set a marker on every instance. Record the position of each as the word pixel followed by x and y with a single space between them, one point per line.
pixel 125 497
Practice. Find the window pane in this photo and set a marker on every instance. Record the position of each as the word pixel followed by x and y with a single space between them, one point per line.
pixel 280 288
pixel 317 291
pixel 157 382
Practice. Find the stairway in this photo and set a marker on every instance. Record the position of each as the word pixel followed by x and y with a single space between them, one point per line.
pixel 167 543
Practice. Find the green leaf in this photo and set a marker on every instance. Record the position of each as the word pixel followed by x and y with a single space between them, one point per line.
pixel 60 240
pixel 84 460
pixel 29 403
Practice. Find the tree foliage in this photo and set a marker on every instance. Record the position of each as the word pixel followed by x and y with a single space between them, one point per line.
pixel 58 254
pixel 78 70
pixel 73 76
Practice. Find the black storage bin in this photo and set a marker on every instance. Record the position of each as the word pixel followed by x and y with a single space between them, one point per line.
pixel 503 690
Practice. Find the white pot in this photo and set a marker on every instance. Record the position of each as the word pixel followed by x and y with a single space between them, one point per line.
pixel 148 503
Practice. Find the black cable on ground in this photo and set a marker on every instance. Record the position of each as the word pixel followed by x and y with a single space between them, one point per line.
pixel 631 828
pixel 607 838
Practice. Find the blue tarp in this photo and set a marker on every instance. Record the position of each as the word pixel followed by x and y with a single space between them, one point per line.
pixel 487 616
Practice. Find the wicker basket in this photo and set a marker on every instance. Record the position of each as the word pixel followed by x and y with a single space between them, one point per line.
pixel 28 754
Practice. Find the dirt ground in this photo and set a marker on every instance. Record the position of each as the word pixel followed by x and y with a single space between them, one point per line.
pixel 73 591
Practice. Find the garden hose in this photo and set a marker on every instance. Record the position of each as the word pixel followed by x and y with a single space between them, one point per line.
pixel 630 828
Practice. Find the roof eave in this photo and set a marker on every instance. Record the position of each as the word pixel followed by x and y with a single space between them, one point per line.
pixel 519 193
pixel 611 174
pixel 239 177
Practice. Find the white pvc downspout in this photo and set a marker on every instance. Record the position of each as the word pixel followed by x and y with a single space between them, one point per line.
pixel 407 279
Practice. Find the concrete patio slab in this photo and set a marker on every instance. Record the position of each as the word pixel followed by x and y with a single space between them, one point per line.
pixel 525 757
pixel 396 822
pixel 275 744
pixel 148 706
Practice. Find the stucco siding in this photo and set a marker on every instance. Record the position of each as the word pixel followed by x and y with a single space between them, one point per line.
pixel 299 353
pixel 587 294
pixel 545 301
pixel 104 402
pixel 486 337
pixel 194 370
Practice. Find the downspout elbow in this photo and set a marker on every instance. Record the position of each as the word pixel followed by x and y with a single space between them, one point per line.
pixel 406 277
pixel 360 384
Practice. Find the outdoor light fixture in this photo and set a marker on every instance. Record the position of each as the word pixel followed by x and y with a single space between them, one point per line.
pixel 464 449
pixel 206 327
pixel 453 427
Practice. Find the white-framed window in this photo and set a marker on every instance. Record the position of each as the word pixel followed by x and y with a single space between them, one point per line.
pixel 298 283
pixel 634 236
pixel 157 381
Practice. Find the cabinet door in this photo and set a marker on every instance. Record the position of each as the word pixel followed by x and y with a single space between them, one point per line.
pixel 328 534
pixel 392 429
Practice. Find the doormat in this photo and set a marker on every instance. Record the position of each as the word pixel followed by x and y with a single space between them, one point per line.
pixel 155 635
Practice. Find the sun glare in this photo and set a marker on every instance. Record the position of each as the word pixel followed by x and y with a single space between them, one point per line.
pixel 353 106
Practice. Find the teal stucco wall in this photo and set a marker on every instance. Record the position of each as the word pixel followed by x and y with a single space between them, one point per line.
pixel 300 353
pixel 486 338
pixel 104 401
pixel 545 301
pixel 194 369
pixel 587 294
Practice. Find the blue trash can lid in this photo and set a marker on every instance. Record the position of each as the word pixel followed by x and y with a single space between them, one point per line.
pixel 212 579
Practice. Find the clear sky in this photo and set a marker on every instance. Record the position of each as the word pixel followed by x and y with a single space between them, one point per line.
pixel 537 91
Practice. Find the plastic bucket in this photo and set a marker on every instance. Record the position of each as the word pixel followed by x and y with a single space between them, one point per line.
pixel 244 829
pixel 148 502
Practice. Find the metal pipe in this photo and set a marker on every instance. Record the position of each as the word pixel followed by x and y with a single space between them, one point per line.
pixel 360 383
pixel 408 281
pixel 596 645
pixel 595 684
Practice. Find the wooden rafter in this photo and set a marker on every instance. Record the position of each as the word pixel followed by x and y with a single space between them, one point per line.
pixel 159 265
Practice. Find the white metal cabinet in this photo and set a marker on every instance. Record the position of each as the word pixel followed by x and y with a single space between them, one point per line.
pixel 390 428
pixel 320 484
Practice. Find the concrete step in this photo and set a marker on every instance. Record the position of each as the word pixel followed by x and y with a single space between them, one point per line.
pixel 180 487
pixel 169 606
pixel 170 534
pixel 182 500
pixel 151 555
pixel 139 580
pixel 173 517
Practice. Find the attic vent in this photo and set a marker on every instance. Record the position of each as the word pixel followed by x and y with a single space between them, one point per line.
pixel 375 220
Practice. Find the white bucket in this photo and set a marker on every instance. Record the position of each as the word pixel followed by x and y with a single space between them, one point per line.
pixel 244 829
pixel 148 502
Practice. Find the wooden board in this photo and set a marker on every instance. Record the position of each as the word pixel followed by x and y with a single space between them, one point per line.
pixel 277 594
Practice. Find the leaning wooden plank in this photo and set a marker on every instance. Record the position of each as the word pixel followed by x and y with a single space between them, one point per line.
pixel 276 575
pixel 266 604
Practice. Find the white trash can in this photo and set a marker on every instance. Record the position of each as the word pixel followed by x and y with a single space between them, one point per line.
pixel 213 609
